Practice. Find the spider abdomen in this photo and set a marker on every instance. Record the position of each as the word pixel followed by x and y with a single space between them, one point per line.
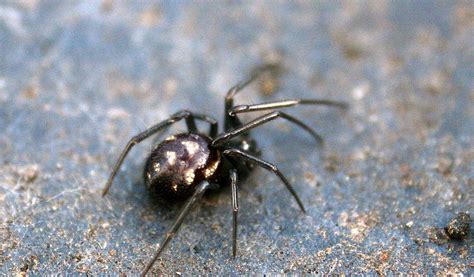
pixel 180 163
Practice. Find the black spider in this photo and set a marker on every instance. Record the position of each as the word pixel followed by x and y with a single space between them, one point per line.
pixel 185 165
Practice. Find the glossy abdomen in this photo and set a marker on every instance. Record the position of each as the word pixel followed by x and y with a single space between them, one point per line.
pixel 179 164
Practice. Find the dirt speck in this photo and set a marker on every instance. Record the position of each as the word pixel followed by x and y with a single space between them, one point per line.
pixel 384 256
pixel 332 163
pixel 352 51
pixel 28 173
pixel 311 178
pixel 150 17
pixel 269 80
pixel 170 87
pixel 407 175
pixel 31 262
pixel 24 268
pixel 107 6
pixel 445 164
pixel 438 236
pixel 30 92
pixel 358 225
pixel 112 252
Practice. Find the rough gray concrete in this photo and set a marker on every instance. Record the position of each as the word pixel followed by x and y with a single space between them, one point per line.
pixel 77 79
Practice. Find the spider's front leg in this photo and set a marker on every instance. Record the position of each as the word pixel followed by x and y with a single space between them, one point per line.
pixel 241 130
pixel 285 103
pixel 231 121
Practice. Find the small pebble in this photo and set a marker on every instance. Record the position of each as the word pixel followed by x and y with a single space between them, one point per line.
pixel 459 226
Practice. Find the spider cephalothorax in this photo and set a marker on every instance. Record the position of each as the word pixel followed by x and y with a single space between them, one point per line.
pixel 185 165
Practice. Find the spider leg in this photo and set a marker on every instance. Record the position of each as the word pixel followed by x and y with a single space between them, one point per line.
pixel 200 190
pixel 285 103
pixel 240 154
pixel 213 123
pixel 191 123
pixel 235 209
pixel 153 130
pixel 220 139
pixel 230 120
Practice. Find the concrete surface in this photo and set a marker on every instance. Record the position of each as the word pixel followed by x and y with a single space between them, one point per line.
pixel 78 79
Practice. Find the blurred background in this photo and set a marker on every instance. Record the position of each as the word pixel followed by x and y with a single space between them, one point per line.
pixel 79 78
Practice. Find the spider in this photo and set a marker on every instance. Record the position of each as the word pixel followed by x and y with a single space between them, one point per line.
pixel 186 165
